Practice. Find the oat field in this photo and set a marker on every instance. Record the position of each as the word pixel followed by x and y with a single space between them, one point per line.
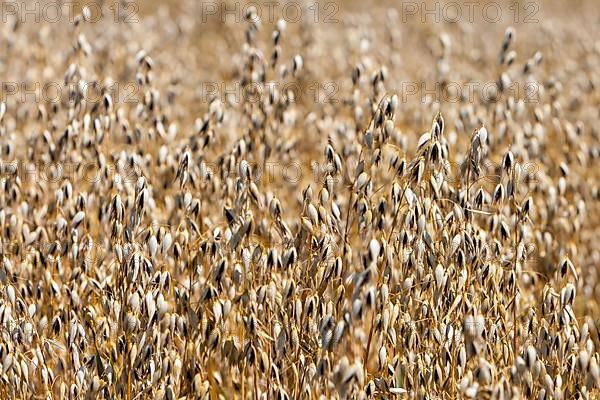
pixel 299 200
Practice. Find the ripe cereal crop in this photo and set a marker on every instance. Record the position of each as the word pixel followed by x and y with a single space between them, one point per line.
pixel 208 200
